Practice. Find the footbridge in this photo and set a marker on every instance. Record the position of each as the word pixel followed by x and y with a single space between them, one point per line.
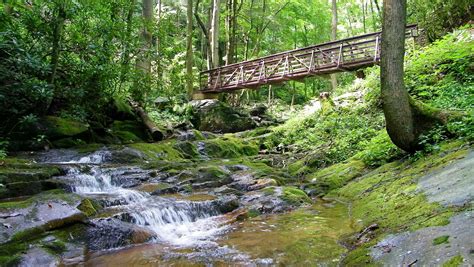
pixel 337 56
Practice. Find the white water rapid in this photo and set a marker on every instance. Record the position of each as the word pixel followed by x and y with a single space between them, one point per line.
pixel 176 222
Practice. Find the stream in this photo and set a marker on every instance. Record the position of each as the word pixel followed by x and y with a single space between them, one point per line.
pixel 193 229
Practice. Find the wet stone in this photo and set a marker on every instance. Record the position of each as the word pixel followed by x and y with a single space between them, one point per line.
pixel 113 233
pixel 38 257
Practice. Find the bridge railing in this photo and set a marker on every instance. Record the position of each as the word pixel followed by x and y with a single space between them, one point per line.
pixel 341 55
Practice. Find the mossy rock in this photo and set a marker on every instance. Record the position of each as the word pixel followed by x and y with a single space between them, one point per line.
pixel 389 196
pixel 123 107
pixel 213 176
pixel 164 150
pixel 229 147
pixel 295 196
pixel 23 178
pixel 61 127
pixel 89 207
pixel 216 116
pixel 55 247
pixel 187 149
pixel 129 131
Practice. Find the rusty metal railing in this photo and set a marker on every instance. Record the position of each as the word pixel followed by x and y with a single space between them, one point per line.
pixel 342 55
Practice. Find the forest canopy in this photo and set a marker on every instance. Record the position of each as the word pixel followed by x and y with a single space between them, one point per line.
pixel 73 58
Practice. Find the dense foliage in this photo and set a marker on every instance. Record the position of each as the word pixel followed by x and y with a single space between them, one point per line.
pixel 440 74
pixel 72 59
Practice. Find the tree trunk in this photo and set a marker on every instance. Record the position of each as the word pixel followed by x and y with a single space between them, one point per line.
pixel 215 33
pixel 231 24
pixel 58 25
pixel 143 63
pixel 189 49
pixel 126 46
pixel 406 119
pixel 205 31
pixel 378 9
pixel 333 38
pixel 364 10
pixel 156 133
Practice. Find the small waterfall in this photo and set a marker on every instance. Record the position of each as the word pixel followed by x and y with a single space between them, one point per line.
pixel 96 182
pixel 181 223
pixel 97 157
pixel 178 223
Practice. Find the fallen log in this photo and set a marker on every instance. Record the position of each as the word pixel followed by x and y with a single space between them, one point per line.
pixel 156 133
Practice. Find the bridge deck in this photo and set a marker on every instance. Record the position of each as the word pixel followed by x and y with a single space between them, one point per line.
pixel 331 57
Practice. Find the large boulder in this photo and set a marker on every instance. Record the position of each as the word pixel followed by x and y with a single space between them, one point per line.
pixel 58 128
pixel 215 116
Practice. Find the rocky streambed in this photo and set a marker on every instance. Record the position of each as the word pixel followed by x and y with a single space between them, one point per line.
pixel 207 200
pixel 178 203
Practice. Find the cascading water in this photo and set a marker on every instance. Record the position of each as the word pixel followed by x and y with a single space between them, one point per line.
pixel 178 223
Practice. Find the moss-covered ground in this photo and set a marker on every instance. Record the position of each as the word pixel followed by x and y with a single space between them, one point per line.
pixel 388 196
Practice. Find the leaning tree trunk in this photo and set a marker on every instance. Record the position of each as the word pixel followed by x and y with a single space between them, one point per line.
pixel 406 119
pixel 156 133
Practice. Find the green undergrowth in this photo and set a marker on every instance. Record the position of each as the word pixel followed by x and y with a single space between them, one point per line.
pixel 335 136
pixel 389 196
pixel 439 75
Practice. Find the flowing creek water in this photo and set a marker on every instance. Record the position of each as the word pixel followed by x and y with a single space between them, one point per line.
pixel 190 230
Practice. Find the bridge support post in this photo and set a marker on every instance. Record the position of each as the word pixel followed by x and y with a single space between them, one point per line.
pixel 201 96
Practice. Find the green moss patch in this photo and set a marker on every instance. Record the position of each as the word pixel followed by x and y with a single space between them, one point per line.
pixel 336 175
pixel 230 147
pixel 454 261
pixel 295 196
pixel 389 196
pixel 441 240
pixel 55 247
pixel 159 151
pixel 88 207
pixel 129 131
pixel 10 253
pixel 59 127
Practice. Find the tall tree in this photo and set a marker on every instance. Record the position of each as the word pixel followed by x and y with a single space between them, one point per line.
pixel 334 37
pixel 143 63
pixel 231 28
pixel 215 33
pixel 406 119
pixel 58 25
pixel 189 48
pixel 206 39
